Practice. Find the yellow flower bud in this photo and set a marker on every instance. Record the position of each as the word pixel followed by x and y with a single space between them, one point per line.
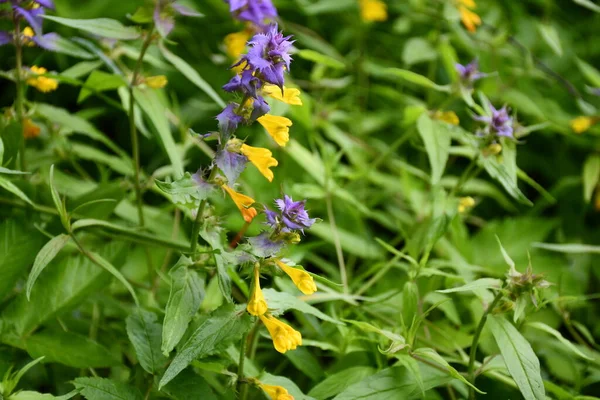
pixel 449 117
pixel 261 158
pixel 276 392
pixel 30 129
pixel 289 96
pixel 469 19
pixel 42 83
pixel 284 336
pixel 28 34
pixel 156 82
pixel 257 304
pixel 373 10
pixel 301 279
pixel 582 124
pixel 277 127
pixel 243 203
pixel 492 149
pixel 465 203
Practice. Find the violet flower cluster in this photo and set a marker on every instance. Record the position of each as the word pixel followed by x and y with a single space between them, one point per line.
pixel 256 12
pixel 291 216
pixel 499 123
pixel 32 12
pixel 469 73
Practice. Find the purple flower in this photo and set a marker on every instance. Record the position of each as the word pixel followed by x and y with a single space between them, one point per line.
pixel 469 73
pixel 500 121
pixel 232 164
pixel 291 216
pixel 263 246
pixel 268 56
pixel 164 15
pixel 245 83
pixel 259 108
pixel 254 11
pixel 229 120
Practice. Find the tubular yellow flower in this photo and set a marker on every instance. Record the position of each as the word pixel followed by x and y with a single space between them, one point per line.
pixel 257 304
pixel 261 158
pixel 156 82
pixel 42 83
pixel 469 19
pixel 465 204
pixel 373 10
pixel 290 95
pixel 235 43
pixel 277 127
pixel 582 124
pixel 30 129
pixel 243 203
pixel 301 279
pixel 447 116
pixel 284 336
pixel 28 34
pixel 276 392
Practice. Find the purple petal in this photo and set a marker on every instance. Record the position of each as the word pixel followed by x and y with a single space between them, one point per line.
pixel 263 246
pixel 33 17
pixel 46 3
pixel 47 41
pixel 184 10
pixel 232 164
pixel 163 21
pixel 5 38
pixel 229 120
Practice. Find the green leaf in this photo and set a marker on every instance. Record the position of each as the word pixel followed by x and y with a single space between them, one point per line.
pixel 353 243
pixel 432 355
pixel 417 50
pixel 81 69
pixel 102 262
pixel 46 254
pixel 224 326
pixel 570 248
pixel 543 327
pixel 483 283
pixel 31 395
pixel 394 383
pixel 145 333
pixel 69 349
pixel 185 190
pixel 551 38
pixel 280 302
pixel 18 246
pixel 404 75
pixel 588 4
pixel 189 386
pixel 437 140
pixel 95 155
pixel 149 102
pixel 522 363
pixel 338 382
pixel 412 366
pixel 105 27
pixel 191 74
pixel 12 136
pixel 187 292
pixel 503 175
pixel 591 176
pixel 100 81
pixel 11 187
pixel 320 58
pixel 65 46
pixel 589 72
pixel 106 389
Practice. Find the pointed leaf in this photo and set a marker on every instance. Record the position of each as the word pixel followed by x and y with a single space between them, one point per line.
pixel 145 333
pixel 106 389
pixel 46 254
pixel 105 27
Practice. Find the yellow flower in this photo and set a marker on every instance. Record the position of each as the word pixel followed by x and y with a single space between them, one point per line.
pixel 28 34
pixel 447 116
pixel 261 158
pixel 30 129
pixel 492 149
pixel 290 95
pixel 301 279
pixel 284 336
pixel 42 83
pixel 465 203
pixel 157 82
pixel 469 19
pixel 257 304
pixel 243 203
pixel 373 10
pixel 582 124
pixel 235 43
pixel 277 127
pixel 276 392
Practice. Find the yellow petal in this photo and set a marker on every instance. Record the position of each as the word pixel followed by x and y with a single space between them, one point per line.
pixel 28 34
pixel 30 129
pixel 373 10
pixel 465 204
pixel 468 3
pixel 277 127
pixel 235 43
pixel 243 203
pixel 582 124
pixel 276 392
pixel 42 83
pixel 257 304
pixel 284 336
pixel 261 158
pixel 447 116
pixel 157 82
pixel 301 279
pixel 469 19
pixel 290 95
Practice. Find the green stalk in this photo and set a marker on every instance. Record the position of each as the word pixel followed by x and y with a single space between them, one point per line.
pixel 241 388
pixel 473 353
pixel 196 227
pixel 466 175
pixel 19 82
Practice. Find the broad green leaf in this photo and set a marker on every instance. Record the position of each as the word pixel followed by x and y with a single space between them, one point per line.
pixel 95 155
pixel 431 354
pixel 106 389
pixel 185 190
pixel 571 248
pixel 214 236
pixel 100 81
pixel 280 302
pixel 191 74
pixel 543 327
pixel 81 69
pixel 153 108
pixel 287 383
pixel 591 176
pixel 304 360
pixel 417 50
pixel 412 366
pixel 483 283
pixel 65 46
pixel 145 334
pixel 589 72
pixel 319 58
pixel 367 327
pixel 551 38
pixel 105 27
pixel 102 262
pixel 19 243
pixel 189 386
pixel 503 176
pixel 589 4
pixel 338 382
pixel 404 75
pixel 521 361
pixel 69 349
pixel 437 140
pixel 31 395
pixel 351 242
pixel 224 326
pixel 12 136
pixel 187 292
pixel 46 254
pixel 394 383
pixel 14 189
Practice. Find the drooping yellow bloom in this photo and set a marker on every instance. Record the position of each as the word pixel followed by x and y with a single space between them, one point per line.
pixel 30 129
pixel 277 127
pixel 290 95
pixel 257 304
pixel 261 158
pixel 373 10
pixel 284 336
pixel 28 34
pixel 156 82
pixel 235 43
pixel 243 203
pixel 42 83
pixel 469 18
pixel 447 116
pixel 582 124
pixel 301 279
pixel 465 204
pixel 276 392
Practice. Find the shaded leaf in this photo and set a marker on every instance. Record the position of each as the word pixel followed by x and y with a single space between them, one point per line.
pixel 106 389
pixel 46 254
pixel 145 333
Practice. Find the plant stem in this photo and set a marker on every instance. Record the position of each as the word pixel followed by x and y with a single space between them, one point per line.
pixel 241 388
pixel 473 353
pixel 19 82
pixel 133 129
pixel 196 227
pixel 464 178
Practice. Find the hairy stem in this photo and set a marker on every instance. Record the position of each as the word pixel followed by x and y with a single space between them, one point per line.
pixel 473 353
pixel 19 82
pixel 241 388
pixel 196 227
